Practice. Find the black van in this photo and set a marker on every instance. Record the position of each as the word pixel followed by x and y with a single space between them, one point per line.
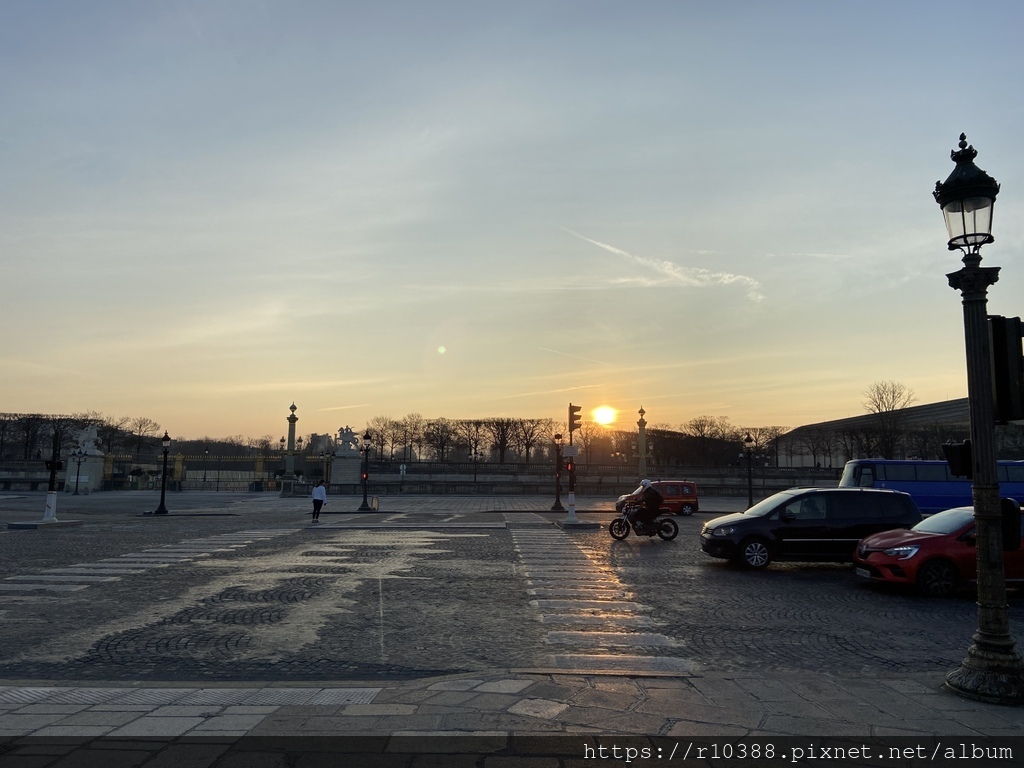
pixel 812 524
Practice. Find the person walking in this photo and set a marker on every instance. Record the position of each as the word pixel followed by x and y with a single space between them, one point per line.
pixel 319 499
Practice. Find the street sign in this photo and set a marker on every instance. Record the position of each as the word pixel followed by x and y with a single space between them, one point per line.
pixel 570 450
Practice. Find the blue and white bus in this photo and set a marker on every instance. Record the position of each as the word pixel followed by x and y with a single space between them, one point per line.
pixel 929 482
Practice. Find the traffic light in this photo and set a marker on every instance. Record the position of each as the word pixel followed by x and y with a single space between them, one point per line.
pixel 58 465
pixel 574 417
pixel 569 466
pixel 364 477
pixel 1010 511
pixel 1007 368
pixel 959 458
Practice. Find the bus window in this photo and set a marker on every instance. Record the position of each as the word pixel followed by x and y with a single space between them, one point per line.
pixel 1014 472
pixel 867 476
pixel 932 473
pixel 900 473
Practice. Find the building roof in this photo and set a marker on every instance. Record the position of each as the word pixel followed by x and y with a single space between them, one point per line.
pixel 955 412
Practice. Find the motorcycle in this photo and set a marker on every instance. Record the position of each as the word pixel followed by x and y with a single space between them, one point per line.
pixel 664 527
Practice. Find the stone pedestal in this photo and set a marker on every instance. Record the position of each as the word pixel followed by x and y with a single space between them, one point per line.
pixel 346 469
pixel 88 478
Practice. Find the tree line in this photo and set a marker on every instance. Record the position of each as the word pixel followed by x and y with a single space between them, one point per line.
pixel 37 435
pixel 707 440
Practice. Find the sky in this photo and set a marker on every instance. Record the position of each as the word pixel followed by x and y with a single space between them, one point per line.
pixel 211 210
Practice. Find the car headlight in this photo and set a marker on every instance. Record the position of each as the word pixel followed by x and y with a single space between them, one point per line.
pixel 901 553
pixel 726 530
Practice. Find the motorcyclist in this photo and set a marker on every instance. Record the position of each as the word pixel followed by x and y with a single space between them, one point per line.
pixel 650 501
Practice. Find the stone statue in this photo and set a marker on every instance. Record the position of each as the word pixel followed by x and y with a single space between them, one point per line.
pixel 88 441
pixel 347 441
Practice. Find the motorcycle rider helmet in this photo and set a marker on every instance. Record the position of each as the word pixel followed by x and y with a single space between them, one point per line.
pixel 645 483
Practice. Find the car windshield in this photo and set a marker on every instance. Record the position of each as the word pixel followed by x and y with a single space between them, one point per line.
pixel 946 522
pixel 638 491
pixel 769 505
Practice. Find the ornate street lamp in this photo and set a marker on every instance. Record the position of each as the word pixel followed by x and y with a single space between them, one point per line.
pixel 620 459
pixel 557 506
pixel 748 449
pixel 477 455
pixel 365 448
pixel 993 670
pixel 165 441
pixel 79 457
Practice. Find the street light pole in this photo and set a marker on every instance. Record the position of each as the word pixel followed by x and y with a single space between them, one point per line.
pixel 79 457
pixel 166 442
pixel 993 670
pixel 367 441
pixel 748 444
pixel 557 506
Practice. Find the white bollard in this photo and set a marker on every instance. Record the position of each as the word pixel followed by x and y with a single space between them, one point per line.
pixel 571 517
pixel 50 514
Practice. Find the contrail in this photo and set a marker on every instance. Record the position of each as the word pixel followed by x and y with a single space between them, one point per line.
pixel 695 277
pixel 558 352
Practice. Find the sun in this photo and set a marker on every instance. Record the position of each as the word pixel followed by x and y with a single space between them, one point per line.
pixel 605 414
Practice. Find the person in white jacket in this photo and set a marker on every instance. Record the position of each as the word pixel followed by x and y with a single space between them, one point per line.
pixel 319 499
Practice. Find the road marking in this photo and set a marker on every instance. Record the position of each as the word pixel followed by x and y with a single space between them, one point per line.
pixel 591 608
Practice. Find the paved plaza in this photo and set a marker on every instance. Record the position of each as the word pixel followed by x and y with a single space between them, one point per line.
pixel 479 617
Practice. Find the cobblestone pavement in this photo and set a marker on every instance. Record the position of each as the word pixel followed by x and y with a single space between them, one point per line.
pixel 451 614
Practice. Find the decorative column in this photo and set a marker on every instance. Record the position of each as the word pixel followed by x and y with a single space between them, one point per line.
pixel 641 444
pixel 288 480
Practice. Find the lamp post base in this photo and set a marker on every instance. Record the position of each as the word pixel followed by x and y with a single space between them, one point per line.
pixel 557 507
pixel 992 676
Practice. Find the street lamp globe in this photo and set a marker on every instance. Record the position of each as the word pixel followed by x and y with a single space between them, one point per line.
pixel 967 198
pixel 165 441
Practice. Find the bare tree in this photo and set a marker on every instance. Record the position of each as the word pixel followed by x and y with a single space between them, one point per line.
pixel 587 436
pixel 709 431
pixel 531 432
pixel 470 434
pixel 113 433
pixel 7 425
pixel 384 433
pixel 768 437
pixel 502 432
pixel 142 427
pixel 27 429
pixel 440 435
pixel 887 400
pixel 410 434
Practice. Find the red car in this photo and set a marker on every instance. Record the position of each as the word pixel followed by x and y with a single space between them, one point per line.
pixel 678 497
pixel 938 555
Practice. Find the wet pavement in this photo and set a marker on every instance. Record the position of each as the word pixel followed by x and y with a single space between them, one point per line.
pixel 471 616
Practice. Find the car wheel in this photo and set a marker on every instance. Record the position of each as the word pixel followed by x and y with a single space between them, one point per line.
pixel 686 510
pixel 755 553
pixel 937 578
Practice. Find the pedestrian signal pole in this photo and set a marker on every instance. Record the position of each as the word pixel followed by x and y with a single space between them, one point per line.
pixel 570 452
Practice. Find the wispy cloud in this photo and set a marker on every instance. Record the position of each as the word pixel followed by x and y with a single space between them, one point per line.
pixel 542 392
pixel 669 273
pixel 567 354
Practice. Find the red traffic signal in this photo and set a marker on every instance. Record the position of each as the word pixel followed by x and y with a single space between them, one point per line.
pixel 365 477
pixel 569 466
